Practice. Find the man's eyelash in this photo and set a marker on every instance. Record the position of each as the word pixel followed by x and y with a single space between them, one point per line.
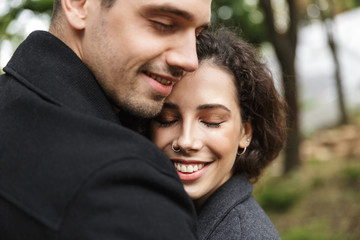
pixel 162 26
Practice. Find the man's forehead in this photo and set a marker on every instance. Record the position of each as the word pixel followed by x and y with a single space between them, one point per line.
pixel 190 10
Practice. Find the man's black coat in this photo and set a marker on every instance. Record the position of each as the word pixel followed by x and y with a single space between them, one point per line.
pixel 68 169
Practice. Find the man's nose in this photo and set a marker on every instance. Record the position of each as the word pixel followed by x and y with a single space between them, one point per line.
pixel 183 53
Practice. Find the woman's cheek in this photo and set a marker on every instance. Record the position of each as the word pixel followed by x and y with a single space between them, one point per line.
pixel 161 137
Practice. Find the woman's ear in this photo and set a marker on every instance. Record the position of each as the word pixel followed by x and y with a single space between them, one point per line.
pixel 75 12
pixel 246 135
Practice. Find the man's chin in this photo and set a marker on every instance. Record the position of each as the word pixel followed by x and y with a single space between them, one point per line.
pixel 147 110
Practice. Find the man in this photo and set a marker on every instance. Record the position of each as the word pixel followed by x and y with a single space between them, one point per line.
pixel 68 169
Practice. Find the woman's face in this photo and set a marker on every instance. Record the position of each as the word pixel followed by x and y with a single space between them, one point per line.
pixel 202 118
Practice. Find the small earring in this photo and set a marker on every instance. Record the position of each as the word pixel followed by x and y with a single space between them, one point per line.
pixel 175 149
pixel 239 154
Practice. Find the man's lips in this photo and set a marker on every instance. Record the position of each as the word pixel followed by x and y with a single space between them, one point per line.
pixel 161 85
pixel 165 80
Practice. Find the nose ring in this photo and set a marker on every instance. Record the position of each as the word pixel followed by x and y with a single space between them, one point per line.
pixel 175 149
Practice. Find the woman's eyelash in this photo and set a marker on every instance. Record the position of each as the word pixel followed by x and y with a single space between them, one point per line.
pixel 165 123
pixel 212 125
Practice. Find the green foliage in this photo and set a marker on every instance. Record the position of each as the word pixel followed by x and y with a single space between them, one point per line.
pixel 318 230
pixel 14 10
pixel 279 194
pixel 329 189
pixel 36 6
pixel 246 18
pixel 318 182
pixel 351 174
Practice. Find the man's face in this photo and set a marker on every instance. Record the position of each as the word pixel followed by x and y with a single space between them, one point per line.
pixel 138 49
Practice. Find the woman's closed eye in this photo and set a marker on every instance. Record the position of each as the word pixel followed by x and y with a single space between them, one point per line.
pixel 165 123
pixel 213 118
pixel 166 118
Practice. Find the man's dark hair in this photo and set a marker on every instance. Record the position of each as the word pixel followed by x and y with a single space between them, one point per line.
pixel 57 7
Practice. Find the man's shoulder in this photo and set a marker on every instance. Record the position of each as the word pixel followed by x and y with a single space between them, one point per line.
pixel 47 152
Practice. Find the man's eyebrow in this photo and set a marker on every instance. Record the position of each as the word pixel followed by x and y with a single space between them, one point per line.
pixel 172 10
pixel 175 11
pixel 188 16
pixel 210 106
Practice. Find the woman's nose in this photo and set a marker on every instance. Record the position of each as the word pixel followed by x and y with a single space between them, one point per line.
pixel 189 140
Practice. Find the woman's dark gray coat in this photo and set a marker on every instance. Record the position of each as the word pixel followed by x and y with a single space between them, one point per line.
pixel 233 213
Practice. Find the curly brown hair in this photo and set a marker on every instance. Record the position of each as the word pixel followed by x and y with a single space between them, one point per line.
pixel 259 101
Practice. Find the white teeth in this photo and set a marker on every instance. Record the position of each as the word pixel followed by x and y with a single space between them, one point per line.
pixel 188 168
pixel 178 167
pixel 159 79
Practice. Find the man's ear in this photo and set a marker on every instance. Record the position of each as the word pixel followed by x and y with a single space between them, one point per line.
pixel 75 12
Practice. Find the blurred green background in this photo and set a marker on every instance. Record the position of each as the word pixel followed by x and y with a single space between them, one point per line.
pixel 312 191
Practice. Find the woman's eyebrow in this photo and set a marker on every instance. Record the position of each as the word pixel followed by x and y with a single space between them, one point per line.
pixel 210 106
pixel 168 105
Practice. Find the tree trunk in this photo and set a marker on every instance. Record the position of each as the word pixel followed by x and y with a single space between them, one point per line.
pixel 338 80
pixel 333 48
pixel 285 48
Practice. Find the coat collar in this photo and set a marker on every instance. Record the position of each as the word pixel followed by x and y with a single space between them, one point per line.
pixel 236 190
pixel 50 68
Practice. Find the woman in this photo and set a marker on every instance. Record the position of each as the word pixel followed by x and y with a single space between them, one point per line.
pixel 221 126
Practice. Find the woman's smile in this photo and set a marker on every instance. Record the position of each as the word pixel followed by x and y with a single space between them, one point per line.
pixel 190 170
